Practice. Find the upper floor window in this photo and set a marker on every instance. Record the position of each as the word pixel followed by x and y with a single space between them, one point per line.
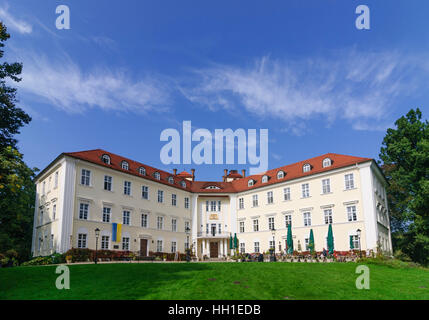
pixel 106 214
pixel 124 165
pixel 241 226
pixel 127 188
pixel 271 223
pixel 173 200
pixel 288 220
pixel 306 167
pixel 160 223
pixel 280 174
pixel 144 220
pixel 56 180
pixel 327 162
pixel 174 225
pixel 126 217
pixel 286 193
pixel 183 184
pixel 170 180
pixel 255 200
pixel 83 211
pixel 85 177
pixel 307 219
pixel 160 196
pixel 241 203
pixel 326 186
pixel 256 225
pixel 142 171
pixel 305 190
pixel 328 216
pixel 186 203
pixel 105 158
pixel 265 179
pixel 349 181
pixel 351 213
pixel 270 198
pixel 250 183
pixel 145 192
pixel 108 183
pixel 212 187
pixel 157 175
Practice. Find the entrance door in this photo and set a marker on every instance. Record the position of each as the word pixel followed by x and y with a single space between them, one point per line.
pixel 214 249
pixel 143 247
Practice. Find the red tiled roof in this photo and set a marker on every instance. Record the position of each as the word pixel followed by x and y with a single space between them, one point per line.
pixel 292 171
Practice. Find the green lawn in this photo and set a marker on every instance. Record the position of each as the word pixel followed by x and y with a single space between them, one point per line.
pixel 214 281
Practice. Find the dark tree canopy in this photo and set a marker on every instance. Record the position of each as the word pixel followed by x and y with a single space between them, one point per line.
pixel 11 117
pixel 405 162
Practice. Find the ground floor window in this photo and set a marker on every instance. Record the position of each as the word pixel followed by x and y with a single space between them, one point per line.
pixel 242 247
pixel 355 240
pixel 272 244
pixel 126 244
pixel 159 245
pixel 81 240
pixel 173 246
pixel 256 246
pixel 104 242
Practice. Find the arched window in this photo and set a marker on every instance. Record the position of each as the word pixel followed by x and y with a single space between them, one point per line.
pixel 170 180
pixel 142 171
pixel 327 162
pixel 306 167
pixel 124 165
pixel 105 158
pixel 250 183
pixel 265 179
pixel 280 174
pixel 183 184
pixel 212 187
pixel 157 175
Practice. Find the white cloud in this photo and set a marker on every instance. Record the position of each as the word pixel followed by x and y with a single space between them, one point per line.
pixel 13 23
pixel 347 85
pixel 68 87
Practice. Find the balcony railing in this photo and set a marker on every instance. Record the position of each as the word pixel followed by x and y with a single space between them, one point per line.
pixel 213 234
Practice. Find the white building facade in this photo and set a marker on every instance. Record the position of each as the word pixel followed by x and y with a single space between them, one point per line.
pixel 142 209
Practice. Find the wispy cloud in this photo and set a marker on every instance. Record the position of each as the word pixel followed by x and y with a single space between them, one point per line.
pixel 13 22
pixel 348 85
pixel 69 87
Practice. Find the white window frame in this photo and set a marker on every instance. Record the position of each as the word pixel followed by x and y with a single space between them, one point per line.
pixel 351 213
pixel 83 212
pixel 270 197
pixel 255 200
pixel 160 196
pixel 242 227
pixel 105 242
pixel 145 192
pixel 271 225
pixel 240 203
pixel 126 217
pixel 327 213
pixel 305 187
pixel 186 202
pixel 160 222
pixel 125 165
pixel 174 225
pixel 108 182
pixel 85 178
pixel 288 220
pixel 107 212
pixel 349 182
pixel 127 188
pixel 82 240
pixel 286 194
pixel 306 168
pixel 173 200
pixel 307 218
pixel 255 225
pixel 326 186
pixel 144 220
pixel 125 243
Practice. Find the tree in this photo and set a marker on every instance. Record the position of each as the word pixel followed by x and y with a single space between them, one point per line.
pixel 17 191
pixel 11 117
pixel 17 195
pixel 405 161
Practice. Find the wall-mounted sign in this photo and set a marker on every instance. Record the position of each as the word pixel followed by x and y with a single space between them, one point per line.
pixel 214 216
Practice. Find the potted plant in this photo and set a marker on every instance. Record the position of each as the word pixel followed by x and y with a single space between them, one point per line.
pixel 69 259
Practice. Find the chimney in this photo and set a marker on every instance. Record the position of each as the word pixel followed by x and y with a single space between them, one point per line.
pixel 193 174
pixel 225 173
pixel 243 173
pixel 175 171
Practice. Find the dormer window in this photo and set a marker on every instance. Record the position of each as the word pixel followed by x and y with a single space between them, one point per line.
pixel 124 165
pixel 105 158
pixel 142 171
pixel 306 168
pixel 265 179
pixel 250 183
pixel 170 180
pixel 280 174
pixel 183 184
pixel 212 187
pixel 157 175
pixel 327 162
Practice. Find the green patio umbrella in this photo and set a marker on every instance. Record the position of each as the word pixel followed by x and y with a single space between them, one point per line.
pixel 351 243
pixel 330 240
pixel 289 241
pixel 311 241
pixel 235 241
pixel 230 242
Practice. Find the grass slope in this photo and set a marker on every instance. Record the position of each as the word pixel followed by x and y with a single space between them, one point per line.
pixel 214 281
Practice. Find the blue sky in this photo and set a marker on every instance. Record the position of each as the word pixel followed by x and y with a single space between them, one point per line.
pixel 126 70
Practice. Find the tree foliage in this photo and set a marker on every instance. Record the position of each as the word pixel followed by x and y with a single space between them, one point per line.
pixel 17 191
pixel 405 162
pixel 11 117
